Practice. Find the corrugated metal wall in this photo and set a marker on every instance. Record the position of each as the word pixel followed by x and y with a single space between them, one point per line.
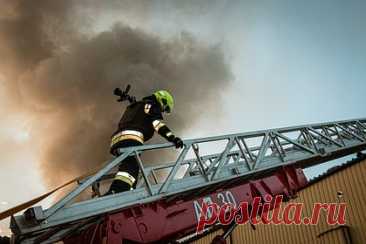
pixel 351 181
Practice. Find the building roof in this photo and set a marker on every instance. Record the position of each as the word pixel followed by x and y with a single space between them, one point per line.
pixel 360 158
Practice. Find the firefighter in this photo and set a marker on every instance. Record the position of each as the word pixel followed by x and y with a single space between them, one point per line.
pixel 137 125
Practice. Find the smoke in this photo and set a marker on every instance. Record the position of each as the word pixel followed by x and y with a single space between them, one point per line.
pixel 62 78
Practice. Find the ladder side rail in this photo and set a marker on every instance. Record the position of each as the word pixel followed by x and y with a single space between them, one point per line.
pixel 89 182
pixel 335 130
pixel 243 154
pixel 222 159
pixel 351 141
pixel 221 166
pixel 277 146
pixel 319 139
pixel 358 130
pixel 144 175
pixel 357 127
pixel 125 152
pixel 263 149
pixel 301 146
pixel 350 133
pixel 325 136
pixel 214 158
pixel 174 170
pixel 111 203
pixel 69 197
pixel 199 163
pixel 250 154
pixel 361 125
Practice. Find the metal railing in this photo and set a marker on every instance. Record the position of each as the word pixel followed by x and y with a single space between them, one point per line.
pixel 244 156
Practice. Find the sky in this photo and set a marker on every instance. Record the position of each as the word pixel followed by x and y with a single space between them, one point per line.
pixel 291 63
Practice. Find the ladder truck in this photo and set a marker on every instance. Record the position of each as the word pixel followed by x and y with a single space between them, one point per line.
pixel 166 204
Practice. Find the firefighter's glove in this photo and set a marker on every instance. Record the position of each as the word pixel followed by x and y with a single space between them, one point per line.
pixel 178 142
pixel 118 92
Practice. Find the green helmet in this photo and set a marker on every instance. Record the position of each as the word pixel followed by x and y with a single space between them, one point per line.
pixel 165 99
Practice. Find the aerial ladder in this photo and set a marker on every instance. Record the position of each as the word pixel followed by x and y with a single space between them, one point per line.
pixel 166 204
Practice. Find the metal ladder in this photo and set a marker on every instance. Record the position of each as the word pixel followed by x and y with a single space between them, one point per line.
pixel 244 156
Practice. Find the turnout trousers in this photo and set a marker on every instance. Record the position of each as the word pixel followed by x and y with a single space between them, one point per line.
pixel 128 170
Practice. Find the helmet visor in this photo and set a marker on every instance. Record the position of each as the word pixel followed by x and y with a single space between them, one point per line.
pixel 166 107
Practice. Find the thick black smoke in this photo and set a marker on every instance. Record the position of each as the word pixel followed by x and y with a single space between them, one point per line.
pixel 63 79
